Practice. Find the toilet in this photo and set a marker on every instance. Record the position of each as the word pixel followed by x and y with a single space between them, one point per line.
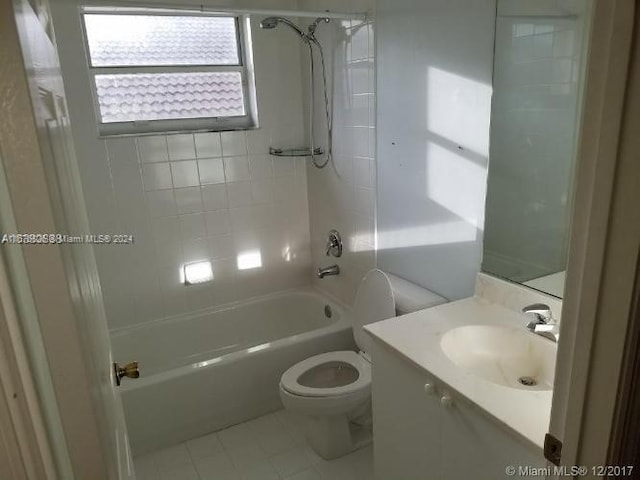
pixel 333 390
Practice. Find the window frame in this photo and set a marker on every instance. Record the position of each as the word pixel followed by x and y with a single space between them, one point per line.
pixel 245 67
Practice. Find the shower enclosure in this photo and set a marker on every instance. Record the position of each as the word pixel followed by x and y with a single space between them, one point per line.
pixel 218 290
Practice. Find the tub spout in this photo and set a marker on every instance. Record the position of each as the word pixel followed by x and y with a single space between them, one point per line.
pixel 330 270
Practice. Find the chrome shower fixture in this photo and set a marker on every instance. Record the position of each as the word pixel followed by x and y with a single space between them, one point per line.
pixel 312 27
pixel 310 39
pixel 269 23
pixel 272 22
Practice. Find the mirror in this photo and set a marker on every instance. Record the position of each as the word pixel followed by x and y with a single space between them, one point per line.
pixel 537 92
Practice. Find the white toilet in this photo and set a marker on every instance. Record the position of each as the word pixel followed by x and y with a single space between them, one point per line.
pixel 333 390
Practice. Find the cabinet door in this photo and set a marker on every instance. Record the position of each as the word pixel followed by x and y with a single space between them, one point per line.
pixel 406 421
pixel 475 446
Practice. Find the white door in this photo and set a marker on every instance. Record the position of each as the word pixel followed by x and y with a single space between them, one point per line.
pixel 46 197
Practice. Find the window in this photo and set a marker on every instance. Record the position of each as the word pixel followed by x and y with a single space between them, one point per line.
pixel 155 72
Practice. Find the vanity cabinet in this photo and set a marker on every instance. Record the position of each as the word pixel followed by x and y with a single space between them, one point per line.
pixel 423 432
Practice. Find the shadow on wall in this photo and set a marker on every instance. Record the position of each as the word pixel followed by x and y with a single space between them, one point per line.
pixel 433 142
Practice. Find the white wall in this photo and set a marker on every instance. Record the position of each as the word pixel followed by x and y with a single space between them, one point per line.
pixel 342 195
pixel 188 198
pixel 434 65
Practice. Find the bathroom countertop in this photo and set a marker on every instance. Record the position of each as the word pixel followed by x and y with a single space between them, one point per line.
pixel 417 336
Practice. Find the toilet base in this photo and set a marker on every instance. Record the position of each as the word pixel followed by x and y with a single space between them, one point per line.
pixel 335 436
pixel 335 424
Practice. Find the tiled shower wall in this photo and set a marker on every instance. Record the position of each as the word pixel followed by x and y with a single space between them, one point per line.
pixel 194 197
pixel 342 195
pixel 202 197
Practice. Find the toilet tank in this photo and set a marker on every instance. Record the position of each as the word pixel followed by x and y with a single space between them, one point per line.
pixel 410 297
pixel 374 302
pixel 382 296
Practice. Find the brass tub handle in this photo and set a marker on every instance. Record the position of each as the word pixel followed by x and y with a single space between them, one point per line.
pixel 130 370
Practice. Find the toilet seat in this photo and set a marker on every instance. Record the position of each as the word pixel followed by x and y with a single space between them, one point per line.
pixel 291 384
pixel 332 391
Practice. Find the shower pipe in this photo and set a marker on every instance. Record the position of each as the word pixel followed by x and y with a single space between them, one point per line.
pixel 310 39
pixel 171 7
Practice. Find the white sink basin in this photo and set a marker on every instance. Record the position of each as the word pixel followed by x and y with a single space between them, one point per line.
pixel 509 356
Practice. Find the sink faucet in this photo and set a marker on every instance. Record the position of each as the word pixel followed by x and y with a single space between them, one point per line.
pixel 543 323
pixel 330 270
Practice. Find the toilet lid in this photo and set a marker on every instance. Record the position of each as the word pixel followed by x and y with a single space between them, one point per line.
pixel 374 302
pixel 290 380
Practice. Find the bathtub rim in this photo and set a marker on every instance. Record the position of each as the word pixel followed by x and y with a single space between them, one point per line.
pixel 342 323
pixel 316 292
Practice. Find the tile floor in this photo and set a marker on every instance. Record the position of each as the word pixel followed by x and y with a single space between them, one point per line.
pixel 271 447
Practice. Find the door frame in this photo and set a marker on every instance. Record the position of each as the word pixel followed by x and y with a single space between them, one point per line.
pixel 625 442
pixel 598 290
pixel 26 446
pixel 47 274
pixel 603 245
pixel 616 322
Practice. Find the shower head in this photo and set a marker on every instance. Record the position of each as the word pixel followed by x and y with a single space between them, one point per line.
pixel 312 27
pixel 269 23
pixel 272 22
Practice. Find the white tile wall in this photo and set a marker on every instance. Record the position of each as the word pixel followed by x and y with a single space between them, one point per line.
pixel 192 197
pixel 185 173
pixel 211 170
pixel 153 149
pixel 343 196
pixel 187 219
pixel 156 176
pixel 271 447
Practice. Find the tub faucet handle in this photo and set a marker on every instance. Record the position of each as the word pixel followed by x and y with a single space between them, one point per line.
pixel 334 244
pixel 130 370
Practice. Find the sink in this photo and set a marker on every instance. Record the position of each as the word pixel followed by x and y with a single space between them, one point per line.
pixel 508 356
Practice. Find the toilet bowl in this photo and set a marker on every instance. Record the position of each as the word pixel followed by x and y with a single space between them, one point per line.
pixel 333 390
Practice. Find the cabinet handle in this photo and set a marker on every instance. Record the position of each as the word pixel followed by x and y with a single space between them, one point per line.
pixel 446 401
pixel 429 388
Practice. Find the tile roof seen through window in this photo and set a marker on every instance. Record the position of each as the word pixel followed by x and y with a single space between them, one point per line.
pixel 146 40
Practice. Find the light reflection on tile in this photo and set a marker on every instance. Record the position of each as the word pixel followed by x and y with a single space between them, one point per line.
pixel 198 273
pixel 249 260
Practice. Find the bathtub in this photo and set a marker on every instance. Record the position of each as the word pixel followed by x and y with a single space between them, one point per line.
pixel 206 371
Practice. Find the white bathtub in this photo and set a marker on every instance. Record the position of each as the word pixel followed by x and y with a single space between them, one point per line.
pixel 201 373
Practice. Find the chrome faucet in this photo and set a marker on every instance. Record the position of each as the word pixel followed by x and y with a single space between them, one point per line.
pixel 330 270
pixel 334 244
pixel 543 323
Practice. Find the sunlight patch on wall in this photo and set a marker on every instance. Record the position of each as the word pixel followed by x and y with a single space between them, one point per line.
pixel 199 272
pixel 456 183
pixel 458 109
pixel 249 260
pixel 420 236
